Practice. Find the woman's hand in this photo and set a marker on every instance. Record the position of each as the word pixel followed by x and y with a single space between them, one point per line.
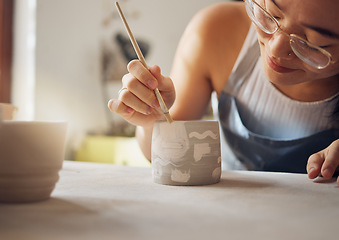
pixel 325 162
pixel 137 102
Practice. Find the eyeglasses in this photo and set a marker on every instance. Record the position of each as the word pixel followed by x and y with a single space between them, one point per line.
pixel 306 51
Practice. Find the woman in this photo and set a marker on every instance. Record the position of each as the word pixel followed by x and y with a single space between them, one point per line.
pixel 276 84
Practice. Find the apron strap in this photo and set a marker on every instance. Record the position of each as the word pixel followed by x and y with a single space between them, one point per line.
pixel 245 63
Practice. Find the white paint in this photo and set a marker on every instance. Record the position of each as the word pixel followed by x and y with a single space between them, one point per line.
pixel 177 155
pixel 172 142
pixel 173 145
pixel 203 135
pixel 182 177
pixel 200 149
pixel 157 168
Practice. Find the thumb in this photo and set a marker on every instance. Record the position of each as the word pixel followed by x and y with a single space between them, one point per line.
pixel 165 84
pixel 156 72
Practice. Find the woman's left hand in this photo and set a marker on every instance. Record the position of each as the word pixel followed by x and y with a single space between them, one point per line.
pixel 325 162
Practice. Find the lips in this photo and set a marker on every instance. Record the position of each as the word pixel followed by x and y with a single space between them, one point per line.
pixel 276 67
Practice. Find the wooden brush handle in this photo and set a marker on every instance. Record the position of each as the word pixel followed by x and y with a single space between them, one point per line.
pixel 143 61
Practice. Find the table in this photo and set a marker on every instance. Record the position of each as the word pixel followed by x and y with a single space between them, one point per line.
pixel 102 201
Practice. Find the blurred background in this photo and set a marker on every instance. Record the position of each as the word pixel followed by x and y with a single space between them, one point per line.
pixel 68 57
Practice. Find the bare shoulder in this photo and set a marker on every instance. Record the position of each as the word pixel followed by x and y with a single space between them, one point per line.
pixel 221 29
pixel 233 14
pixel 205 56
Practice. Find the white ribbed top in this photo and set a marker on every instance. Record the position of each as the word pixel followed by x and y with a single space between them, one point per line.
pixel 267 111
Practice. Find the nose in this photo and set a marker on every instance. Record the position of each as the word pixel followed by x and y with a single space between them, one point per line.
pixel 279 45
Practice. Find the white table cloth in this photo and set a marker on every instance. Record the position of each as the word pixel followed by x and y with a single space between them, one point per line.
pixel 101 201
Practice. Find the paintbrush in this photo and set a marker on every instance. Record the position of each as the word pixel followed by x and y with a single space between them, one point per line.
pixel 142 60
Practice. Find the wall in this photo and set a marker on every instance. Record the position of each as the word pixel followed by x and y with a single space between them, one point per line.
pixel 70 36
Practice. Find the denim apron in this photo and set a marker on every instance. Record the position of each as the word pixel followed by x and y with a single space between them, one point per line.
pixel 262 153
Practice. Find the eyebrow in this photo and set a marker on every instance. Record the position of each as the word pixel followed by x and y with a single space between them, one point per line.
pixel 323 31
pixel 275 3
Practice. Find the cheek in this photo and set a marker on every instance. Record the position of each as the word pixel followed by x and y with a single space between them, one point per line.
pixel 262 44
pixel 312 73
pixel 263 40
pixel 262 37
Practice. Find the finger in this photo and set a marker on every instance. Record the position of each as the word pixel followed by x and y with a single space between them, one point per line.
pixel 117 106
pixel 142 92
pixel 314 164
pixel 156 72
pixel 130 100
pixel 164 84
pixel 331 161
pixel 127 78
pixel 140 72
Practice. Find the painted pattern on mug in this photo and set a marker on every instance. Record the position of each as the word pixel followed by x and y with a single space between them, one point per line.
pixel 186 153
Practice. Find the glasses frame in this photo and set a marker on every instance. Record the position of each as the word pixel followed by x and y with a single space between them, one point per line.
pixel 290 36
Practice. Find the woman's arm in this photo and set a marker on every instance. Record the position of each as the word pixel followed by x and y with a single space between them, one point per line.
pixel 204 59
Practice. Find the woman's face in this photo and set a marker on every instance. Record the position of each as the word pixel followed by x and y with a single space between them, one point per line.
pixel 316 21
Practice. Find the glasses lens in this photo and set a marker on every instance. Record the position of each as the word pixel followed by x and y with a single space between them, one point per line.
pixel 309 54
pixel 260 17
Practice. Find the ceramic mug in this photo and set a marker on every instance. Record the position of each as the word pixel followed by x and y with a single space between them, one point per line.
pixel 31 155
pixel 186 153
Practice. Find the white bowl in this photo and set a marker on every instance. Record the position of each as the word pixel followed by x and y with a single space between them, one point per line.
pixel 31 155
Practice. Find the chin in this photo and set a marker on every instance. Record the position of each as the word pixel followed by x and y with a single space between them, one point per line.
pixel 282 79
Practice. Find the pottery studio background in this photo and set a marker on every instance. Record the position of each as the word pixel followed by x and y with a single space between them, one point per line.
pixel 70 55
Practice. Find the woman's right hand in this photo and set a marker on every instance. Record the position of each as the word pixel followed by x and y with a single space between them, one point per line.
pixel 137 102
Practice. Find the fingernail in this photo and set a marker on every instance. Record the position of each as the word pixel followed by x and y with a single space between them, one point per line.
pixel 311 170
pixel 149 111
pixel 129 110
pixel 151 84
pixel 156 103
pixel 327 173
pixel 109 104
